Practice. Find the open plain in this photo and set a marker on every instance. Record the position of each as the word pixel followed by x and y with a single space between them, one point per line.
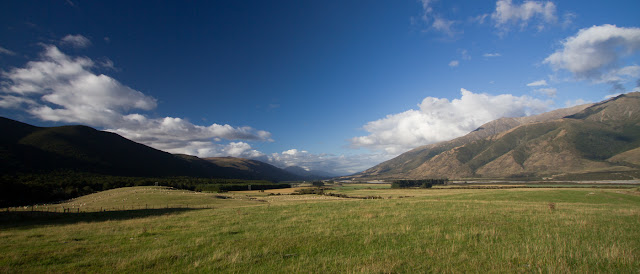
pixel 158 229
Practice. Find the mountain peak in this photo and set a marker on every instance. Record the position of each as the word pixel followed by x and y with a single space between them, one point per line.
pixel 579 139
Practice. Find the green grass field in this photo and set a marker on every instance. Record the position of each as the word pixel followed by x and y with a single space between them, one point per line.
pixel 417 230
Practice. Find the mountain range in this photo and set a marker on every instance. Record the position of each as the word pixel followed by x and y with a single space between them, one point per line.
pixel 310 174
pixel 593 141
pixel 29 149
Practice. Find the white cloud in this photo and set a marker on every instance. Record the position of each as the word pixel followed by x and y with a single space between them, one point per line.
pixel 60 88
pixel 507 13
pixel 577 102
pixel 596 54
pixel 618 75
pixel 439 119
pixel 567 19
pixel 76 41
pixel 15 102
pixel 171 133
pixel 551 92
pixel 479 18
pixel 335 164
pixel 208 149
pixel 241 149
pixel 426 6
pixel 537 83
pixel 6 51
pixel 107 63
pixel 443 25
pixel 464 54
pixel 436 21
pixel 492 55
pixel 70 92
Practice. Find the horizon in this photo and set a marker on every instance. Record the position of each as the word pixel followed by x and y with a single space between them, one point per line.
pixel 336 87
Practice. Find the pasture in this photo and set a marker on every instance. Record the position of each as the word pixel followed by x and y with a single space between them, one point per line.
pixel 156 229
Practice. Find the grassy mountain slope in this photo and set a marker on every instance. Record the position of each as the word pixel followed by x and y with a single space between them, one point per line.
pixel 600 138
pixel 27 149
pixel 405 163
pixel 258 169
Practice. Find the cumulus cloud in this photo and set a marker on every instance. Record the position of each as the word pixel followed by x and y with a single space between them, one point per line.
pixel 76 41
pixel 209 149
pixel 597 54
pixel 507 13
pixel 70 92
pixel 537 83
pixel 15 102
pixel 61 88
pixel 177 135
pixel 439 119
pixel 454 63
pixel 6 51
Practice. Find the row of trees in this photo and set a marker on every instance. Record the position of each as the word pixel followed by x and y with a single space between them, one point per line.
pixel 36 188
pixel 424 183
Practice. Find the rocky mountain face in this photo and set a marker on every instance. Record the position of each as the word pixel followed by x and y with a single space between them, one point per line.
pixel 599 140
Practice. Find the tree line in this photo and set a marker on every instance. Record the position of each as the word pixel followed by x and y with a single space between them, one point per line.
pixel 424 183
pixel 35 188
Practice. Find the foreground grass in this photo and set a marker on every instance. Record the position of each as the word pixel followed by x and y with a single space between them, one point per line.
pixel 515 230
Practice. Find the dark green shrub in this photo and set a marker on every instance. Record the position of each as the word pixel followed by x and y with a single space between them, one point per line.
pixel 425 183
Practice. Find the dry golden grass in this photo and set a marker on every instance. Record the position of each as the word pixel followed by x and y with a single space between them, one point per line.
pixel 449 230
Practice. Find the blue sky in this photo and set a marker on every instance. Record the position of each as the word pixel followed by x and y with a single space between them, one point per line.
pixel 332 85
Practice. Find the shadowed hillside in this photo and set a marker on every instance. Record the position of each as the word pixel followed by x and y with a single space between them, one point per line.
pixel 41 164
pixel 26 148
